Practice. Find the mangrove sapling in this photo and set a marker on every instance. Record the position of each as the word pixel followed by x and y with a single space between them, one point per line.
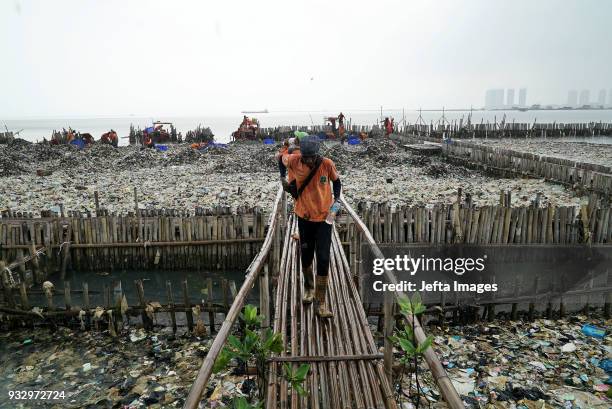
pixel 406 340
pixel 296 377
pixel 251 346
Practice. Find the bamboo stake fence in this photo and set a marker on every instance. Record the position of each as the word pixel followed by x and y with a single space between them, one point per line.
pixel 588 176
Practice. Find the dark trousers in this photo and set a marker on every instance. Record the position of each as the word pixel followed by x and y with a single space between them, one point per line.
pixel 315 237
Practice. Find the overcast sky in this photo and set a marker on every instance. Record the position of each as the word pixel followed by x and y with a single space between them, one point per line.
pixel 119 57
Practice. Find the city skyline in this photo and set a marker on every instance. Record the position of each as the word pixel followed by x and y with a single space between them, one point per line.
pixel 500 98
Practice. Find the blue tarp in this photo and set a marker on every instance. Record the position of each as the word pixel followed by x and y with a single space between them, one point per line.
pixel 79 143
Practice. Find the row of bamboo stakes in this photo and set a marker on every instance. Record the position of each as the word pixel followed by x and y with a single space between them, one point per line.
pixel 124 242
pixel 588 176
pixel 230 241
pixel 464 129
pixel 462 222
pixel 461 129
pixel 113 309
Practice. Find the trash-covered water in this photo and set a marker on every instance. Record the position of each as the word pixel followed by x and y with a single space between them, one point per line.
pixel 244 174
pixel 92 369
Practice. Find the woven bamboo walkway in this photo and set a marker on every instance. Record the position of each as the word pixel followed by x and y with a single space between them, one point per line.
pixel 346 369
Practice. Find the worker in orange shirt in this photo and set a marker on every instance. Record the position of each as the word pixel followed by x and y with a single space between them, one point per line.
pixel 315 209
pixel 290 147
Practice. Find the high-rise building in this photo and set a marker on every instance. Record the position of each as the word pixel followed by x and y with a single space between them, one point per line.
pixel 610 97
pixel 510 98
pixel 494 99
pixel 585 96
pixel 601 100
pixel 572 98
pixel 522 97
pixel 499 98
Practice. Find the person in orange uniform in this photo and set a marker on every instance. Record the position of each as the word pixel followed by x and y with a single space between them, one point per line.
pixel 290 147
pixel 312 207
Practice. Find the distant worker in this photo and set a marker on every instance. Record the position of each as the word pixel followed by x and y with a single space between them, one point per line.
pixel 341 119
pixel 110 138
pixel 388 125
pixel 290 147
pixel 316 210
pixel 147 141
pixel 88 139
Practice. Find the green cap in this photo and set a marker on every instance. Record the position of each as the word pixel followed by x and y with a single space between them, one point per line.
pixel 300 135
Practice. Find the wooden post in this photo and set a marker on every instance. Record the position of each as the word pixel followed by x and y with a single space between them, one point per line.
pixel 264 297
pixel 67 297
pixel 65 257
pixel 86 296
pixel 23 293
pixel 211 314
pixel 147 322
pixel 8 293
pixel 389 322
pixel 35 264
pixel 171 304
pixel 86 304
pixel 188 312
pixel 225 297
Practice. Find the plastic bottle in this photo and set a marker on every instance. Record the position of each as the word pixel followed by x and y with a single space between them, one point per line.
pixel 593 331
pixel 331 216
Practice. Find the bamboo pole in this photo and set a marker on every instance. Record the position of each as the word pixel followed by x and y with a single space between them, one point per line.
pixel 446 387
pixel 195 393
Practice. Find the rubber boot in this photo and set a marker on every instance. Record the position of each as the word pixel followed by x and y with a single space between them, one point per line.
pixel 309 285
pixel 322 311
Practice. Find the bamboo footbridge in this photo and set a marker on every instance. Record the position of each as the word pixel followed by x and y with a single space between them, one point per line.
pixel 346 368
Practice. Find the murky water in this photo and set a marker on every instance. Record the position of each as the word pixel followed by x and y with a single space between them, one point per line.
pixel 154 284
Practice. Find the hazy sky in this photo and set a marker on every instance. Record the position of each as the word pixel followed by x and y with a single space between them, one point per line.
pixel 86 57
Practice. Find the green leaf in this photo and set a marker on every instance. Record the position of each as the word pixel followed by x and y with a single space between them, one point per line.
pixel 299 389
pixel 408 332
pixel 416 299
pixel 272 343
pixel 407 346
pixel 419 309
pixel 222 361
pixel 288 371
pixel 234 342
pixel 425 344
pixel 405 305
pixel 302 371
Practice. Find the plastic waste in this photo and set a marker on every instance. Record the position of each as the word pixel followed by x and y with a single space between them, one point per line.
pixel 331 216
pixel 606 365
pixel 593 331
